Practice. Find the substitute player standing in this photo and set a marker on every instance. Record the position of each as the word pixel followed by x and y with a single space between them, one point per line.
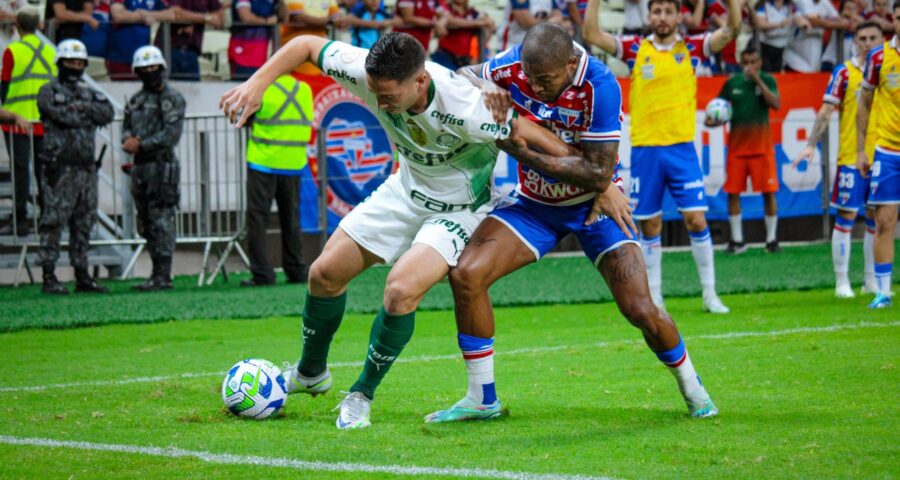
pixel 663 103
pixel 420 218
pixel 576 96
pixel 882 75
pixel 751 151
pixel 850 187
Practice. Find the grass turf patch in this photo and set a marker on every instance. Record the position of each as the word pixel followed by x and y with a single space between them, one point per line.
pixel 550 281
pixel 589 398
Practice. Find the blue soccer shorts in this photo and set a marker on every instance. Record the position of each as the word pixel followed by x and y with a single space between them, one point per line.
pixel 540 227
pixel 674 166
pixel 850 189
pixel 884 184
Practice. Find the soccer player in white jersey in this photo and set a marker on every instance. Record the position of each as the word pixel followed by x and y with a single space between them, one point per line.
pixel 420 218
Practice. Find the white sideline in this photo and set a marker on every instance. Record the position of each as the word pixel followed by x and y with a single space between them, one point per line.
pixel 434 358
pixel 230 459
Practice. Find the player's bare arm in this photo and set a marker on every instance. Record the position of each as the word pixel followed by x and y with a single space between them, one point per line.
pixel 593 33
pixel 862 125
pixel 818 130
pixel 728 32
pixel 593 170
pixel 244 100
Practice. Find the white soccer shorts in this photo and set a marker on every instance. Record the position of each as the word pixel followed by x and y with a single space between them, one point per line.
pixel 393 218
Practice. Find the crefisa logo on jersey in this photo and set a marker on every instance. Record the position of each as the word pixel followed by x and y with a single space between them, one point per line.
pixel 359 152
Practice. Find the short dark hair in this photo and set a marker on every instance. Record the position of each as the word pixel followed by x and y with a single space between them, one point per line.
pixel 544 38
pixel 677 3
pixel 28 19
pixel 395 56
pixel 868 24
pixel 896 5
pixel 750 50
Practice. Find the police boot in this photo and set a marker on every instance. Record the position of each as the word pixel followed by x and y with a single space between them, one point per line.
pixel 85 284
pixel 160 279
pixel 51 284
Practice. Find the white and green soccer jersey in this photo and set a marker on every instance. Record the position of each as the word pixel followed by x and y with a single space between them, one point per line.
pixel 447 153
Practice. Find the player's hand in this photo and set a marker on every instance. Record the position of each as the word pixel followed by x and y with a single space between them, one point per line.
pixel 710 123
pixel 22 124
pixel 497 101
pixel 862 164
pixel 242 101
pixel 614 204
pixel 808 154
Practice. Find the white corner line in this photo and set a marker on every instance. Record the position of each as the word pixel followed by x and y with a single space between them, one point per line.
pixel 434 358
pixel 275 462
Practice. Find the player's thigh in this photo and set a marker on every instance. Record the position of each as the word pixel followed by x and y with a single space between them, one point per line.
pixel 647 181
pixel 602 237
pixel 684 178
pixel 414 273
pixel 342 260
pixel 884 186
pixel 626 276
pixel 736 171
pixel 494 251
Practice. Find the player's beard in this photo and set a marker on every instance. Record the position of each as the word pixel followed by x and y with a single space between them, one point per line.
pixel 663 30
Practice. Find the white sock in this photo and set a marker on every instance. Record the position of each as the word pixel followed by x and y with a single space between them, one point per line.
pixel 737 228
pixel 478 354
pixel 840 250
pixel 771 227
pixel 702 249
pixel 883 277
pixel 689 382
pixel 652 249
pixel 869 254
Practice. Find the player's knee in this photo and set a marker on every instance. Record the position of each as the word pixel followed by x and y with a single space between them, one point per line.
pixel 695 223
pixel 642 314
pixel 322 281
pixel 468 278
pixel 885 221
pixel 400 297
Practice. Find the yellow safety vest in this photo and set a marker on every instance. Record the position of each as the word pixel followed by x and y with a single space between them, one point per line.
pixel 282 128
pixel 33 67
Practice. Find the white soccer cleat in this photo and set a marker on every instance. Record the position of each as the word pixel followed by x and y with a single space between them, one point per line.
pixel 294 382
pixel 354 413
pixel 712 304
pixel 844 291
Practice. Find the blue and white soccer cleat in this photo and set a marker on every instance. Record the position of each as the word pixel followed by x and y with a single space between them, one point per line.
pixel 294 382
pixel 355 408
pixel 704 410
pixel 881 301
pixel 464 410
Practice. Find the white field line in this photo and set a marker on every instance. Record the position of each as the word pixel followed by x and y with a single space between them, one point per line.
pixel 435 358
pixel 253 460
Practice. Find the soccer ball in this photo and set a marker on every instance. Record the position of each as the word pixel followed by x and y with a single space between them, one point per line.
pixel 254 388
pixel 718 110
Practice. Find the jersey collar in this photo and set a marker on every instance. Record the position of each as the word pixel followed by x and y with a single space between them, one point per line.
pixel 664 48
pixel 581 69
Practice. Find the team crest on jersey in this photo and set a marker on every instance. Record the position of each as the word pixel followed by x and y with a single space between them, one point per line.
pixel 447 140
pixel 568 116
pixel 679 57
pixel 416 133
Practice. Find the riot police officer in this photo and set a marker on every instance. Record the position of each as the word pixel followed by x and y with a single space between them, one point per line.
pixel 71 113
pixel 153 123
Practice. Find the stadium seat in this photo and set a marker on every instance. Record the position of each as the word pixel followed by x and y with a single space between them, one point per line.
pixel 611 21
pixel 96 69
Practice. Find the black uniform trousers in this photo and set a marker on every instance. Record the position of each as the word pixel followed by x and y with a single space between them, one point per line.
pixel 262 188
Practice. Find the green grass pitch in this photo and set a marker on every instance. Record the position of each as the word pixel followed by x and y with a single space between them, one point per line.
pixel 807 386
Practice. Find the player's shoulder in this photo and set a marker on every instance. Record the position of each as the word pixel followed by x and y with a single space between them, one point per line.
pixel 448 84
pixel 876 53
pixel 695 42
pixel 507 57
pixel 598 73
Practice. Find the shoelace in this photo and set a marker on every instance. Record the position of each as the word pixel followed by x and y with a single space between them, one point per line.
pixel 356 403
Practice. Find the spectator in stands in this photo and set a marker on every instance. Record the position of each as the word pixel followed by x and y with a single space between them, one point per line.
pixel 251 32
pixel 420 17
pixel 95 38
pixel 68 18
pixel 850 12
pixel 573 16
pixel 520 15
pixel 804 51
pixel 775 21
pixel 7 22
pixel 635 17
pixel 694 15
pixel 28 65
pixel 881 14
pixel 308 17
pixel 131 30
pixel 276 155
pixel 461 47
pixel 367 19
pixel 186 35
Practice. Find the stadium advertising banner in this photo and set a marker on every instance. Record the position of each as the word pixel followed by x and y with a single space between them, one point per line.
pixel 360 156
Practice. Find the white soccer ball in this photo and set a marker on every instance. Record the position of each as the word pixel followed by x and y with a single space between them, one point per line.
pixel 254 388
pixel 718 110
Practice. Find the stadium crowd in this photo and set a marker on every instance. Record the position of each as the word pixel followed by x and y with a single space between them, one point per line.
pixel 792 35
